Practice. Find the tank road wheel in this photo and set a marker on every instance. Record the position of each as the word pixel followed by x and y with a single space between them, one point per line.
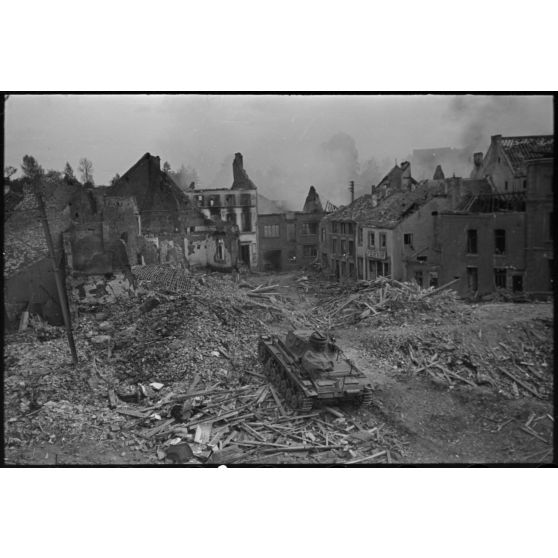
pixel 366 398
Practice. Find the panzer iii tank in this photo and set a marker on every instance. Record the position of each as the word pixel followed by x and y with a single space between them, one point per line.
pixel 308 368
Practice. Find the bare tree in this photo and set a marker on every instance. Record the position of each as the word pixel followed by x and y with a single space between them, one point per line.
pixel 86 170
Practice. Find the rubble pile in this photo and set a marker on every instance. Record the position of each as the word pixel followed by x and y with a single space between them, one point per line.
pixel 173 374
pixel 239 418
pixel 472 359
pixel 383 301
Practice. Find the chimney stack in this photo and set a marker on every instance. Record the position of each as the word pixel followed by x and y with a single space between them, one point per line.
pixel 352 190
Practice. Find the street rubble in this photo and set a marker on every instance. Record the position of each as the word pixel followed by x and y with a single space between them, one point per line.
pixel 173 375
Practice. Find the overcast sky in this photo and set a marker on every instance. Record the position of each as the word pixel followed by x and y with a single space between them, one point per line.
pixel 281 137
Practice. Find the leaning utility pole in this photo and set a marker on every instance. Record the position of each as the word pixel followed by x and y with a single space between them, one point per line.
pixel 57 270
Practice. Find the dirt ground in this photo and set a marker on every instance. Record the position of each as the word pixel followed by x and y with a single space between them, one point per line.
pixel 456 424
pixel 437 422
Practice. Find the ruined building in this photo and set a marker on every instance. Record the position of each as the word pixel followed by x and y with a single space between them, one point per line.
pixel 505 160
pixel 289 240
pixel 175 228
pixel 392 231
pixel 234 208
pixel 505 239
pixel 100 246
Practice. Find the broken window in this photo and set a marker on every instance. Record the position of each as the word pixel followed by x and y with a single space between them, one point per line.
pixel 351 248
pixel 309 228
pixel 231 218
pixel 382 240
pixel 371 239
pixel 334 226
pixel 433 278
pixel 506 185
pixel 333 245
pixel 418 277
pixel 351 269
pixel 422 259
pixel 343 228
pixel 350 228
pixel 230 199
pixel 271 231
pixel 291 231
pixel 517 283
pixel 246 220
pixel 323 234
pixel 359 236
pixel 245 199
pixel 525 184
pixel 408 239
pixel 499 241
pixel 472 241
pixel 360 269
pixel 500 276
pixel 551 224
pixel 473 279
pixel 343 247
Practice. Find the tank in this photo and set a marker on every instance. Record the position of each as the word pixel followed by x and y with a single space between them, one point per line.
pixel 299 378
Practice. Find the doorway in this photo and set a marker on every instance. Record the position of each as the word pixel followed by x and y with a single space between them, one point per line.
pixel 245 254
pixel 517 283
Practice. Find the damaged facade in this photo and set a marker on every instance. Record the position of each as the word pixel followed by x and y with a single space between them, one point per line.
pixel 175 229
pixel 395 230
pixel 100 246
pixel 236 210
pixel 290 240
pixel 505 160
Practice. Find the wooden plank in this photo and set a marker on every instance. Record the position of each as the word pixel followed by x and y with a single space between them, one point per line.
pixel 533 433
pixel 335 412
pixel 367 458
pixel 306 447
pixel 436 291
pixel 263 395
pixel 281 409
pixel 157 429
pixel 132 413
pixel 518 381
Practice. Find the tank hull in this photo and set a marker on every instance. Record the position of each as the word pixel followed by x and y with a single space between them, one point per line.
pixel 302 391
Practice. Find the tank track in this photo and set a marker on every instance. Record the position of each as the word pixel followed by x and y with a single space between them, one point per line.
pixel 367 397
pixel 288 390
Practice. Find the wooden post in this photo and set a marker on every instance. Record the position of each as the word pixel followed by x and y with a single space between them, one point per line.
pixel 57 271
